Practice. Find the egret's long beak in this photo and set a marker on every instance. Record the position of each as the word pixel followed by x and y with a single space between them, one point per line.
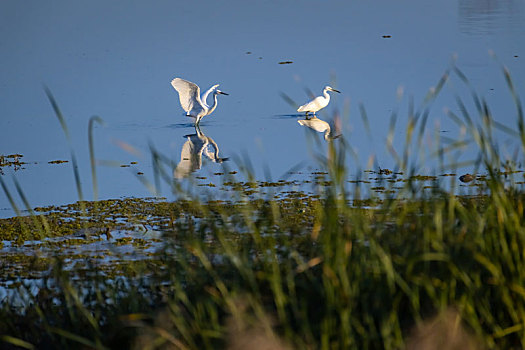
pixel 334 90
pixel 222 92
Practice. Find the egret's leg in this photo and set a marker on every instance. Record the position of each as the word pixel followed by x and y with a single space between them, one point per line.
pixel 198 130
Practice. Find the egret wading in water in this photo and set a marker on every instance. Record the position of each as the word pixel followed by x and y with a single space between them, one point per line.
pixel 318 103
pixel 195 105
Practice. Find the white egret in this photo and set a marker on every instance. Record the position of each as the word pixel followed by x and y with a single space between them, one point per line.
pixel 191 153
pixel 318 125
pixel 317 103
pixel 194 105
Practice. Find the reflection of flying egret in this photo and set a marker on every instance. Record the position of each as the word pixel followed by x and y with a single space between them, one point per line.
pixel 191 154
pixel 317 103
pixel 190 101
pixel 319 126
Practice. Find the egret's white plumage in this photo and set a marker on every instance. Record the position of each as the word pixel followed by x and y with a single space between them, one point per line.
pixel 317 103
pixel 318 125
pixel 191 101
pixel 191 153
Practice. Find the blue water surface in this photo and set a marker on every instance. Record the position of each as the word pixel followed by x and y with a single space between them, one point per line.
pixel 116 60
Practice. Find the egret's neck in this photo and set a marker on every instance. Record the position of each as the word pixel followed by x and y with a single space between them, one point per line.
pixel 215 147
pixel 204 96
pixel 200 135
pixel 326 95
pixel 327 131
pixel 212 108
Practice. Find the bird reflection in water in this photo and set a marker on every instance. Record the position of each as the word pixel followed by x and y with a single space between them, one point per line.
pixel 192 151
pixel 319 125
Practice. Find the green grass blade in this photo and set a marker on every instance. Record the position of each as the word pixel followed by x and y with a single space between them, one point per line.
pixel 16 342
pixel 65 129
pixel 92 160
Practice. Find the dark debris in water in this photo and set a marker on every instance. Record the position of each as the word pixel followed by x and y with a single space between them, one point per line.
pixel 11 160
pixel 467 178
pixel 422 178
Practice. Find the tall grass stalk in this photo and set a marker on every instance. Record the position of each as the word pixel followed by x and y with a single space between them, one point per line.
pixel 65 129
pixel 92 159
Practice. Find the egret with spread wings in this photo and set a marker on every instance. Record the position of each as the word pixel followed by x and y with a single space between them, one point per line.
pixel 195 105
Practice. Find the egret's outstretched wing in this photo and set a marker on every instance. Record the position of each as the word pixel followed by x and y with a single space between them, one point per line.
pixel 188 94
pixel 187 161
pixel 190 157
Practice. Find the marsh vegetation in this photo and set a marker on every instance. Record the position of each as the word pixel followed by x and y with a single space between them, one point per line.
pixel 326 262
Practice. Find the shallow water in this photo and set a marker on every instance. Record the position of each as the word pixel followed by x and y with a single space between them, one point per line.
pixel 117 60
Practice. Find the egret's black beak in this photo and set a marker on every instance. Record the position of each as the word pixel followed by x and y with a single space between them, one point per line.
pixel 334 90
pixel 222 93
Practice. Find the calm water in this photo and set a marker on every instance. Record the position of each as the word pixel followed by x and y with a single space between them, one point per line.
pixel 116 60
